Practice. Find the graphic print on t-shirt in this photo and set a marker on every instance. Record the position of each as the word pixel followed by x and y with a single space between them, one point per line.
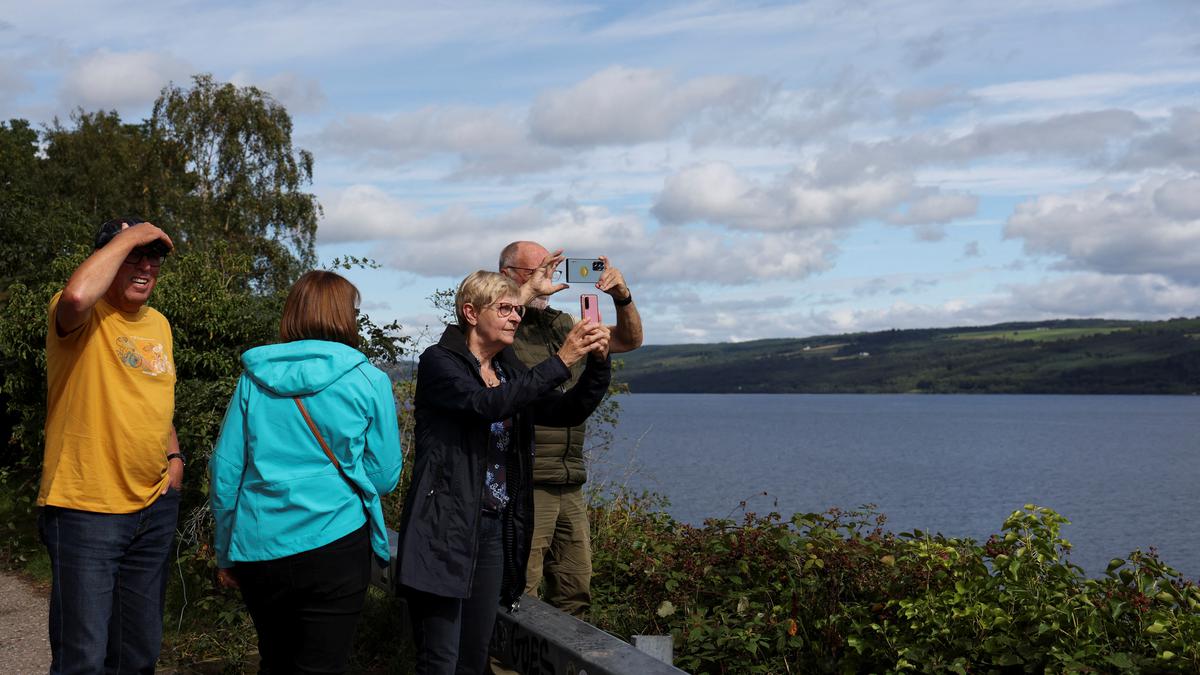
pixel 143 354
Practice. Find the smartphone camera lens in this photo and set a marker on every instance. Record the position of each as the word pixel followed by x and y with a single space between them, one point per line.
pixel 597 266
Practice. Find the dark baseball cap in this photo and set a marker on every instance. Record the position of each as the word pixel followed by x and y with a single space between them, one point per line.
pixel 110 229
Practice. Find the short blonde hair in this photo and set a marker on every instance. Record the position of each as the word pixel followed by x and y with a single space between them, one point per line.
pixel 481 288
pixel 321 306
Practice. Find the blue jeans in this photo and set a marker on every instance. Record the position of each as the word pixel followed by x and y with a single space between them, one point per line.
pixel 109 586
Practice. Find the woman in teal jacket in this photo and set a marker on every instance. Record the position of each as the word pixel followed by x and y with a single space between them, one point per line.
pixel 295 531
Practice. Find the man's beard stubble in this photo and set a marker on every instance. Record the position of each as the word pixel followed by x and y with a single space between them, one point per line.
pixel 540 302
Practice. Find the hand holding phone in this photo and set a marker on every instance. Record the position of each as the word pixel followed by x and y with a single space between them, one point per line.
pixel 584 337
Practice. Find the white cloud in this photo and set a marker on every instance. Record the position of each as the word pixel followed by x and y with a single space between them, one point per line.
pixel 1087 85
pixel 1175 143
pixel 739 258
pixel 1078 135
pixel 795 117
pixel 457 240
pixel 365 213
pixel 297 93
pixel 713 192
pixel 13 80
pixel 631 105
pixel 1179 199
pixel 716 193
pixel 121 80
pixel 1149 228
pixel 1084 138
pixel 485 141
pixel 922 52
pixel 909 102
pixel 1133 296
pixel 277 33
pixel 937 208
pixel 873 287
pixel 1084 295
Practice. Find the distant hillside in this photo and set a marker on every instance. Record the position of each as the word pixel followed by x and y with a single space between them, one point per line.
pixel 1089 356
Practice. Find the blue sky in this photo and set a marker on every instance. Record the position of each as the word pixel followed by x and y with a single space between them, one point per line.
pixel 756 169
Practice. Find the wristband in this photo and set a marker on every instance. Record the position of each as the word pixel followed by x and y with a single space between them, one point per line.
pixel 178 456
pixel 621 303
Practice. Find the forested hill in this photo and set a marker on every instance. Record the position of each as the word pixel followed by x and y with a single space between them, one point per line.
pixel 1063 357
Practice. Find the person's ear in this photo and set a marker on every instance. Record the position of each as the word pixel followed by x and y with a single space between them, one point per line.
pixel 470 314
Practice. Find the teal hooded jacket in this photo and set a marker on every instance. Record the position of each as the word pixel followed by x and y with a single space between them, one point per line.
pixel 274 492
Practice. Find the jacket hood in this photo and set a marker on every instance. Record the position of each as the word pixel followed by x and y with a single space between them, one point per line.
pixel 301 367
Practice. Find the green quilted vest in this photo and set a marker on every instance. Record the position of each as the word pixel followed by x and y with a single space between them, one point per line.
pixel 558 459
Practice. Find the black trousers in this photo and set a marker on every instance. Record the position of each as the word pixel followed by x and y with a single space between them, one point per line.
pixel 452 634
pixel 306 606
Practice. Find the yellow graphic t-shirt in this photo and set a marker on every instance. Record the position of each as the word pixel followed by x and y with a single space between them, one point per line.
pixel 109 405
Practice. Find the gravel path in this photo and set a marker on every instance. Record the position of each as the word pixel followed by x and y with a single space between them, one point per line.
pixel 24 643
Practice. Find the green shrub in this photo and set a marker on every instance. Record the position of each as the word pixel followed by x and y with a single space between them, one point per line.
pixel 833 592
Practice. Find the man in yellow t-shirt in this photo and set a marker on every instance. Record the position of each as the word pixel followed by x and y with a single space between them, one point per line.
pixel 112 468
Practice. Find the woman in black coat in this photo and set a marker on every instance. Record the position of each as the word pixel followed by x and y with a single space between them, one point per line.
pixel 467 524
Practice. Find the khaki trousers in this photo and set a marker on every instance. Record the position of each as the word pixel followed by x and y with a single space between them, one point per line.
pixel 561 554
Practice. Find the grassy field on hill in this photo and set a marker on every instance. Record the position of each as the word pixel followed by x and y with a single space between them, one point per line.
pixel 1066 356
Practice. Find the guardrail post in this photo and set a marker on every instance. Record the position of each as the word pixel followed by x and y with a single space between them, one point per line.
pixel 661 647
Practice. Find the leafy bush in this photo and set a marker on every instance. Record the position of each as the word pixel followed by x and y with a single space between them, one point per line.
pixel 834 592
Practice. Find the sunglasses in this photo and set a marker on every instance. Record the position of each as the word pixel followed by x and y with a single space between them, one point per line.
pixel 136 256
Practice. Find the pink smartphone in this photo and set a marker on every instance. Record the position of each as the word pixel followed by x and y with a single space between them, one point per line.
pixel 589 307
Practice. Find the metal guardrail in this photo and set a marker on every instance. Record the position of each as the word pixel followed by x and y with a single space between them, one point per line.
pixel 541 640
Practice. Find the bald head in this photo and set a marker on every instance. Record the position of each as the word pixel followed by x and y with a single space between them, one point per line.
pixel 522 254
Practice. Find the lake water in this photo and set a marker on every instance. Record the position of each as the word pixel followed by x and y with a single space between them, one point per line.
pixel 1124 469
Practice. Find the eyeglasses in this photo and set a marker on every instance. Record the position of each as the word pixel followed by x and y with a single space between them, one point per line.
pixel 554 276
pixel 503 309
pixel 136 256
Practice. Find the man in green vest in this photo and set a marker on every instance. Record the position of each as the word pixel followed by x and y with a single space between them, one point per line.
pixel 562 546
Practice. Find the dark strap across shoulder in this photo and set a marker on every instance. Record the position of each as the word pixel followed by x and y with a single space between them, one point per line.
pixel 325 446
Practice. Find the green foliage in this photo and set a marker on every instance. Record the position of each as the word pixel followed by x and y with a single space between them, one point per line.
pixel 245 179
pixel 23 326
pixel 20 547
pixel 833 592
pixel 100 167
pixel 1039 334
pixel 381 644
pixel 443 300
pixel 37 228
